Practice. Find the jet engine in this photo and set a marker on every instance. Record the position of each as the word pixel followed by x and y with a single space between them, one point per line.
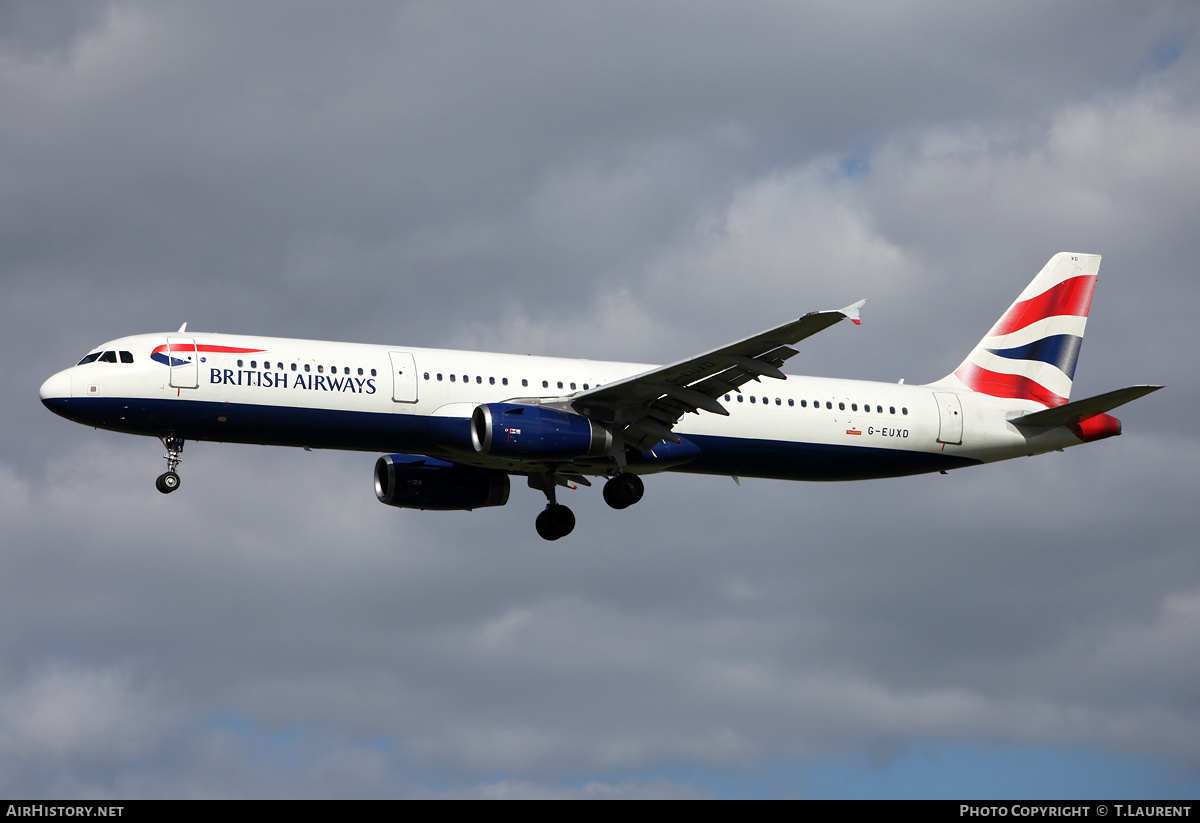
pixel 413 482
pixel 536 433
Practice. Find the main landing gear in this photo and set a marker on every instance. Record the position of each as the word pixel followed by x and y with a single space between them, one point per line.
pixel 623 490
pixel 556 520
pixel 168 481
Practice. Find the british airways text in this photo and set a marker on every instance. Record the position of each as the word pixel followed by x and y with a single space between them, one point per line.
pixel 279 380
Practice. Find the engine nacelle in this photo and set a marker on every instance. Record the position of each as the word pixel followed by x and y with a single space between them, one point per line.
pixel 536 433
pixel 410 481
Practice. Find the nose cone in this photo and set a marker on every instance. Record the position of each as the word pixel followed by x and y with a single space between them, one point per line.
pixel 55 392
pixel 57 386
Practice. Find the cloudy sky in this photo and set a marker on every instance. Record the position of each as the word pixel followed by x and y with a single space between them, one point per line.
pixel 610 180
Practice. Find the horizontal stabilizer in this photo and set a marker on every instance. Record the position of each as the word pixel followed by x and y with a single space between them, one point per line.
pixel 1069 413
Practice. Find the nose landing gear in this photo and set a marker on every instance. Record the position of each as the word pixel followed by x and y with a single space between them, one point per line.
pixel 168 481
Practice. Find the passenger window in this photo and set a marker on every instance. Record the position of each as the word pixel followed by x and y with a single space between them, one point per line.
pixel 545 384
pixel 572 385
pixel 504 380
pixel 478 378
pixel 778 402
pixel 108 357
pixel 791 402
pixel 333 369
pixel 560 384
pixel 524 382
pixel 842 406
pixel 879 409
pixel 452 378
pixel 828 404
pixel 439 377
pixel 360 371
pixel 904 409
pixel 726 398
pixel 307 367
pixel 853 407
pixel 892 409
pixel 126 357
pixel 585 387
pixel 321 369
pixel 254 364
pixel 752 399
pixel 491 381
pixel 293 367
pixel 426 375
pixel 803 404
pixel 239 364
pixel 740 398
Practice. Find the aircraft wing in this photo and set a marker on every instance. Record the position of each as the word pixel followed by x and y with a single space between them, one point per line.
pixel 649 404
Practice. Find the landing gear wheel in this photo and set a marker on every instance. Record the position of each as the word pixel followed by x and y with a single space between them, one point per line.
pixel 555 521
pixel 623 490
pixel 169 480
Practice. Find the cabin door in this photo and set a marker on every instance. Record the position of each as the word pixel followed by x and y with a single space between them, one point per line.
pixel 185 365
pixel 950 419
pixel 404 377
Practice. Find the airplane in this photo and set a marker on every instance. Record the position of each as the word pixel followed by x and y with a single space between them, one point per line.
pixel 453 426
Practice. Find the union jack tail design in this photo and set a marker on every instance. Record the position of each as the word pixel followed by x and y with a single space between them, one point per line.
pixel 1030 353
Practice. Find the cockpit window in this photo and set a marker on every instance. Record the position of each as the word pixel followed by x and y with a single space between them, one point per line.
pixel 108 357
pixel 126 357
pixel 90 358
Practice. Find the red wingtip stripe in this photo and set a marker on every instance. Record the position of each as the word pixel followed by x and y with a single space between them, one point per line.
pixel 996 384
pixel 1070 297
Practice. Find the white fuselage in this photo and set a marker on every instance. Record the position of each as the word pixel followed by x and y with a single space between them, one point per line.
pixel 381 398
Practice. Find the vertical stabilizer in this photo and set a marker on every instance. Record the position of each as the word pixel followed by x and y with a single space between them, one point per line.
pixel 1030 353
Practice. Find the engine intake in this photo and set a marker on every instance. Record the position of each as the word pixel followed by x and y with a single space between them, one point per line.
pixel 533 432
pixel 410 481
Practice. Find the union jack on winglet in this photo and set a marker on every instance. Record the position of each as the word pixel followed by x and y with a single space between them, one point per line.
pixel 1031 352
